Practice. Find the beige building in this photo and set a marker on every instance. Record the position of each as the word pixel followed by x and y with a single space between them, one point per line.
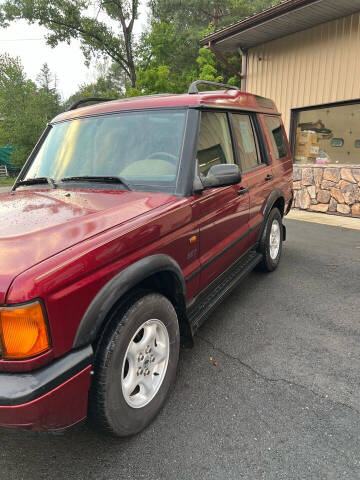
pixel 305 55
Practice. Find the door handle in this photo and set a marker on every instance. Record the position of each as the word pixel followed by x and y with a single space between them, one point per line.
pixel 242 191
pixel 269 177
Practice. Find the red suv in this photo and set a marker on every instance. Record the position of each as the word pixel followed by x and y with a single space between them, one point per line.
pixel 131 220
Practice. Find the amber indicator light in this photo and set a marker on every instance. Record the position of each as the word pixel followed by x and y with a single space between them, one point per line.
pixel 192 239
pixel 23 331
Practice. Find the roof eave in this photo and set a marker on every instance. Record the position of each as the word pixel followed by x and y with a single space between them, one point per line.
pixel 255 20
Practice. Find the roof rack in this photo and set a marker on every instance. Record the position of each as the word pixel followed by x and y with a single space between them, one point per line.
pixel 75 105
pixel 193 87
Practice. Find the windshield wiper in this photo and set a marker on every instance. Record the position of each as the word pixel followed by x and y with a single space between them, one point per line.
pixel 35 181
pixel 99 179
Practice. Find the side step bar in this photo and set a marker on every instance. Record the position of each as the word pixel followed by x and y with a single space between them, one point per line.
pixel 207 300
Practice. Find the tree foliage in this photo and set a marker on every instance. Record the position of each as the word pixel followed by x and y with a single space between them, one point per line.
pixel 195 14
pixel 172 39
pixel 24 108
pixel 108 31
pixel 166 58
pixel 177 27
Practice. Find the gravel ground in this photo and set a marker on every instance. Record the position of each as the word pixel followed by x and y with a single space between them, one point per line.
pixel 283 401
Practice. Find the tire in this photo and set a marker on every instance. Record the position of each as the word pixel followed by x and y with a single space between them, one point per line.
pixel 122 357
pixel 271 255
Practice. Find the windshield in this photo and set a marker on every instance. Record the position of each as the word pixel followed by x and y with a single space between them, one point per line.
pixel 143 148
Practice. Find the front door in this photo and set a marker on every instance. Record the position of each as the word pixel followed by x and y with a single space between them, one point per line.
pixel 223 212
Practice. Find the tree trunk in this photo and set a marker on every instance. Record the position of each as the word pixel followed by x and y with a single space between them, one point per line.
pixel 216 17
pixel 129 54
pixel 132 74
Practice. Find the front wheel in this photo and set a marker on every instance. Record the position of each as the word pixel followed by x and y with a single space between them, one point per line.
pixel 271 242
pixel 135 365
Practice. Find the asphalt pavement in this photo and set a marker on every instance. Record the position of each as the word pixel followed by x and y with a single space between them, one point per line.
pixel 282 401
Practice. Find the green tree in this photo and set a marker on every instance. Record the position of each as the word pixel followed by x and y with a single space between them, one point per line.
pixel 48 98
pixel 24 108
pixel 201 13
pixel 68 19
pixel 207 66
pixel 110 82
pixel 177 27
pixel 45 79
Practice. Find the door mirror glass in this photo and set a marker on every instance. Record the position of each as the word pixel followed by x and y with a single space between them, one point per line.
pixel 222 176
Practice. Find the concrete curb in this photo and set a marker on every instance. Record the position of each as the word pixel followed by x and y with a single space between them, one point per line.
pixel 325 219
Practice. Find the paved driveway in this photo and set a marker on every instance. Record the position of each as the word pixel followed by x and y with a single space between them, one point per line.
pixel 283 402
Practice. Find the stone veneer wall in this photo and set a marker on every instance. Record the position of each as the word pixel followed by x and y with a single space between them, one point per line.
pixel 328 188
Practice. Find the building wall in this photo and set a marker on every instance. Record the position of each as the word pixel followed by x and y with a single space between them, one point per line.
pixel 328 189
pixel 316 66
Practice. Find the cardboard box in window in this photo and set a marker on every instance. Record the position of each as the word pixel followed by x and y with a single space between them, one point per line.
pixel 306 146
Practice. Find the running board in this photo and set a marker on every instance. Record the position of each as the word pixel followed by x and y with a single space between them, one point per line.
pixel 209 298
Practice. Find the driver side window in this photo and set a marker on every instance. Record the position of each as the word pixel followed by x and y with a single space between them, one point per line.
pixel 214 146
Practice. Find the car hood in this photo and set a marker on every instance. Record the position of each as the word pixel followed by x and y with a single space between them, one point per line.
pixel 37 224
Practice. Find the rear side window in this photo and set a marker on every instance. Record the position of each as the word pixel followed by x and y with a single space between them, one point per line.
pixel 276 135
pixel 245 141
pixel 214 147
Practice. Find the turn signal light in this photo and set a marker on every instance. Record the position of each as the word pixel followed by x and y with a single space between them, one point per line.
pixel 23 331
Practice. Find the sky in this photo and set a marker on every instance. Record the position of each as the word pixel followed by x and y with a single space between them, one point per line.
pixel 66 61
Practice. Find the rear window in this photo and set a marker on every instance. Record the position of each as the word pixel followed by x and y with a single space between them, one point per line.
pixel 277 137
pixel 245 141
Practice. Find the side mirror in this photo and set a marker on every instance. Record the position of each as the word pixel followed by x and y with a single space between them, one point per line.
pixel 222 175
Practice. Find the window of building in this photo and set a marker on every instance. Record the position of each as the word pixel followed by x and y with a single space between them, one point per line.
pixel 337 142
pixel 277 137
pixel 245 141
pixel 328 134
pixel 214 147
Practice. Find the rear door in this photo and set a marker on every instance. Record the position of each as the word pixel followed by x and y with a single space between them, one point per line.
pixel 255 165
pixel 223 212
pixel 282 163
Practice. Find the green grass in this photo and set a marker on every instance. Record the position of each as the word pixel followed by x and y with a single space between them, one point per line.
pixel 6 182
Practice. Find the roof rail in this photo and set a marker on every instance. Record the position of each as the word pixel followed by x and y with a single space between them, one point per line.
pixel 75 105
pixel 193 87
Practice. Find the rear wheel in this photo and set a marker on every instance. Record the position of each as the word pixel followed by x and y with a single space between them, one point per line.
pixel 271 242
pixel 135 365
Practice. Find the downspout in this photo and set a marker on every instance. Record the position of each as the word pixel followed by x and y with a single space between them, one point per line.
pixel 224 61
pixel 244 67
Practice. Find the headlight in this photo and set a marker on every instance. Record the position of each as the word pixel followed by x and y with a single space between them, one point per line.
pixel 23 331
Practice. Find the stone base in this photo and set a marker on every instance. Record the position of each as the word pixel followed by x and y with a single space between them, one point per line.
pixel 328 189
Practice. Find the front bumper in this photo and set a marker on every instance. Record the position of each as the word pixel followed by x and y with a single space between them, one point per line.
pixel 51 398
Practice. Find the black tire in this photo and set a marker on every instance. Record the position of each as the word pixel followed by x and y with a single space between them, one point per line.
pixel 269 264
pixel 108 407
